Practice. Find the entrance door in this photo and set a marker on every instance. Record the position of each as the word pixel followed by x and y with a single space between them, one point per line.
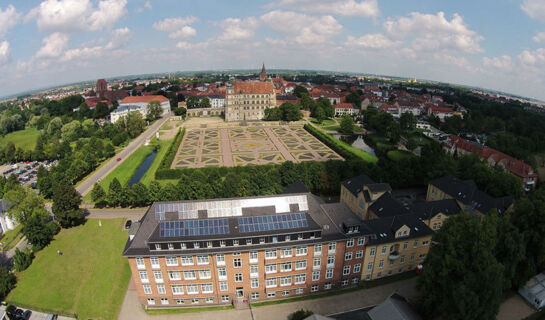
pixel 240 292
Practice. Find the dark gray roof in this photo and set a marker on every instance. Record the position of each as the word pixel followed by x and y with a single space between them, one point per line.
pixel 379 187
pixel 387 206
pixel 355 185
pixel 466 192
pixel 384 229
pixel 396 307
pixel 428 209
pixel 296 187
pixel 317 317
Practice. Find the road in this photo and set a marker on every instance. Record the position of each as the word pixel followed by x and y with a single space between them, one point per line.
pixel 133 214
pixel 103 171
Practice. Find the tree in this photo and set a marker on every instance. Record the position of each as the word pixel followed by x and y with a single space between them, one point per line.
pixel 307 103
pixel 7 282
pixel 98 195
pixel 101 110
pixel 84 111
pixel 461 274
pixel 353 97
pixel 301 314
pixel 192 102
pixel 71 131
pixel 154 111
pixel 407 121
pixel 54 127
pixel 290 112
pixel 38 232
pixel 22 259
pixel 25 203
pixel 299 91
pixel 325 103
pixel 141 195
pixel 319 114
pixel 347 124
pixel 66 201
pixel 132 123
pixel 181 111
pixel 114 192
pixel 204 103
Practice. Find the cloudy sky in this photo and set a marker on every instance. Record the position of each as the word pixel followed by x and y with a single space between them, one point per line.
pixel 497 44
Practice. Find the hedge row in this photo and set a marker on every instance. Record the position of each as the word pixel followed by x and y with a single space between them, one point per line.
pixel 164 171
pixel 331 142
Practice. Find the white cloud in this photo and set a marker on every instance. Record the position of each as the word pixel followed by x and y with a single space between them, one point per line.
pixel 147 5
pixel 539 37
pixel 434 32
pixel 535 9
pixel 183 45
pixel 303 28
pixel 53 45
pixel 5 53
pixel 503 62
pixel 8 18
pixel 365 8
pixel 238 29
pixel 372 41
pixel 533 59
pixel 70 16
pixel 177 27
pixel 119 38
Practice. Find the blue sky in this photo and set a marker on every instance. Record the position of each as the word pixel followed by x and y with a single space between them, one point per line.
pixel 492 44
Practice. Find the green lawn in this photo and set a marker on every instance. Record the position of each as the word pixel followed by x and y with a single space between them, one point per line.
pixel 127 168
pixel 155 312
pixel 163 149
pixel 11 238
pixel 397 155
pixel 360 153
pixel 90 278
pixel 25 139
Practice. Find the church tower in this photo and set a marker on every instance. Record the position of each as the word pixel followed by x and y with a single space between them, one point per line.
pixel 263 74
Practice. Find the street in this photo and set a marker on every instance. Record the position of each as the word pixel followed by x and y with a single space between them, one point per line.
pixel 86 185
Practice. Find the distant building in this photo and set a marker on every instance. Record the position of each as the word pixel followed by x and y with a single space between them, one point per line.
pixel 6 223
pixel 534 291
pixel 344 108
pixel 263 74
pixel 101 88
pixel 248 100
pixel 140 104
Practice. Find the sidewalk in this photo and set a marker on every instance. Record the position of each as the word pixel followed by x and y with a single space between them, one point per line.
pixel 131 309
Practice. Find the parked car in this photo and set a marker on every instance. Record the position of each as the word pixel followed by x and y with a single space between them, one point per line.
pixel 118 159
pixel 51 317
pixel 128 224
pixel 26 315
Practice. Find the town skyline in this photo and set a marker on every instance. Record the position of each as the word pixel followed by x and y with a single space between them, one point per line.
pixel 59 42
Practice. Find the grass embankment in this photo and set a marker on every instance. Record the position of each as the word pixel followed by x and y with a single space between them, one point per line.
pixel 149 176
pixel 156 312
pixel 11 238
pixel 89 279
pixel 398 155
pixel 25 139
pixel 342 148
pixel 127 168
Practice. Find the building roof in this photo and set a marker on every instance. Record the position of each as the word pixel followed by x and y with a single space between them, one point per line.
pixel 466 192
pixel 145 99
pixel 429 209
pixel 297 187
pixel 317 317
pixel 344 105
pixel 250 87
pixel 396 307
pixel 355 184
pixel 387 206
pixel 384 229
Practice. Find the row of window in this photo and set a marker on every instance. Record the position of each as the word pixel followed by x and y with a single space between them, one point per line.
pixel 384 249
pixel 178 289
pixel 401 261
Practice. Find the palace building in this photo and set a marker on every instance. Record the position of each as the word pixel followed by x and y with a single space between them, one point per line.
pixel 233 250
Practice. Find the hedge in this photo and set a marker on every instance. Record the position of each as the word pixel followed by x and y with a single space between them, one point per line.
pixel 164 171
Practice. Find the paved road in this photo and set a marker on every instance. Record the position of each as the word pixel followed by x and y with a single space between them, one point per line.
pixel 133 214
pixel 87 185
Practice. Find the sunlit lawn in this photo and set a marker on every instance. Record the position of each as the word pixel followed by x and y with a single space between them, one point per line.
pixel 25 139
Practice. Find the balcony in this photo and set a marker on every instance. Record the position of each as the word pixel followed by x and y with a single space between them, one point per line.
pixel 393 255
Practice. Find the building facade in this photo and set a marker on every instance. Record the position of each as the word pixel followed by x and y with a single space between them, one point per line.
pixel 248 100
pixel 140 104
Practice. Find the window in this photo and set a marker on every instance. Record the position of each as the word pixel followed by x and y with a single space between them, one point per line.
pixel 316 263
pixel 206 288
pixel 254 283
pixel 147 289
pixel 270 254
pixel 172 261
pixel 171 246
pixel 344 282
pixel 164 300
pixel 357 268
pixel 402 260
pixel 157 247
pixel 405 245
pixel 255 295
pixel 355 280
pixel 238 277
pixel 285 292
pixel 203 260
pixel 194 301
pixel 299 291
pixel 300 278
pixel 190 275
pixel 220 259
pixel 183 245
pixel 346 270
pixel 349 243
pixel 370 266
pixel 205 274
pixel 253 271
pixel 359 254
pixel 271 294
pixel 327 286
pixel 287 238
pixel 301 251
pixel 330 261
pixel 384 250
pixel 261 240
pixel 301 265
pixel 222 274
pixel 154 262
pixel 368 277
pixel 192 289
pixel 237 263
pixel 317 249
pixel 389 272
pixel 187 260
pixel 140 263
pixel 422 256
pixel 348 256
pixel 158 276
pixel 270 268
pixel 253 256
pixel 332 246
pixel 209 300
pixel 196 245
pixel 381 263
pixel 223 243
pixel 425 243
pixel 285 281
pixel 361 241
pixel 286 253
pixel 415 244
pixel 144 277
pixel 285 267
pixel 177 289
pixel 315 275
pixel 161 289
pixel 223 286
pixel 372 253
pixel 270 283
pixel 235 242
pixel 314 288
pixel 225 298
pixel 329 273
pixel 179 301
pixel 151 301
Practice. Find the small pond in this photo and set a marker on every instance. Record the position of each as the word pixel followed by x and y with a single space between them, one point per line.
pixel 142 169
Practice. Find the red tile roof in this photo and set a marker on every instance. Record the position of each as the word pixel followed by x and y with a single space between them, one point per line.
pixel 146 99
pixel 343 106
pixel 253 87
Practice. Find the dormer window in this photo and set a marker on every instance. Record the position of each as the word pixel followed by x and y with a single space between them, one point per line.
pixel 157 246
pixel 196 245
pixel 288 238
pixel 183 245
pixel 209 244
pixel 261 240
pixel 222 243
pixel 235 242
pixel 171 246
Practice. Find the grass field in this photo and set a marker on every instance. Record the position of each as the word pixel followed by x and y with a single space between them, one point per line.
pixel 25 139
pixel 11 238
pixel 127 168
pixel 397 155
pixel 163 149
pixel 90 278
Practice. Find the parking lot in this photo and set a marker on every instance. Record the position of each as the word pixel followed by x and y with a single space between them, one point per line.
pixel 34 316
pixel 26 172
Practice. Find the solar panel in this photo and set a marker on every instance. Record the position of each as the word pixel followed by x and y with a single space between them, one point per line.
pixel 194 228
pixel 272 222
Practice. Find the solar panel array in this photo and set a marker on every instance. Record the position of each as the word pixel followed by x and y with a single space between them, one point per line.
pixel 194 227
pixel 228 208
pixel 272 222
